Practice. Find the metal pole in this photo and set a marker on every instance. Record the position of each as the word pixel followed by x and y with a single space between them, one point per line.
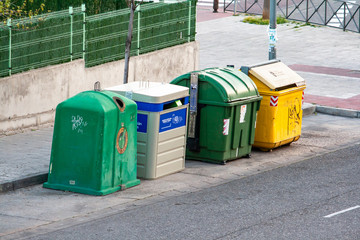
pixel 83 9
pixel 344 22
pixel 325 20
pixel 307 11
pixel 272 30
pixel 9 25
pixel 189 25
pixel 138 30
pixel 71 12
pixel 235 3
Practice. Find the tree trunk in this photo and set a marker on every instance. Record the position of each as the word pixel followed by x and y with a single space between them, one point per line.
pixel 266 9
pixel 215 5
pixel 128 41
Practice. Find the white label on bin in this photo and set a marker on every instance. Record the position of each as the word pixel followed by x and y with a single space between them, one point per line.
pixel 255 120
pixel 72 182
pixel 226 127
pixel 242 113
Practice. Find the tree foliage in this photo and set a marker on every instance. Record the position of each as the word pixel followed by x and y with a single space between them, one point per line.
pixel 15 9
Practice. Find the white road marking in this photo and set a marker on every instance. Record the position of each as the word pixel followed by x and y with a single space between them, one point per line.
pixel 342 211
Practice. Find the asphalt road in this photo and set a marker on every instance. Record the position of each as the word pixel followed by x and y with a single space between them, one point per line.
pixel 318 198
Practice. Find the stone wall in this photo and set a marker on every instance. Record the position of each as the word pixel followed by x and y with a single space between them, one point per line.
pixel 29 99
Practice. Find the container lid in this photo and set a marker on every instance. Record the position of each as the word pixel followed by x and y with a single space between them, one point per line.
pixel 222 85
pixel 98 101
pixel 276 75
pixel 150 92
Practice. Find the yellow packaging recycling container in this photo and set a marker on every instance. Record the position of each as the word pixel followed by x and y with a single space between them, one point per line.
pixel 280 115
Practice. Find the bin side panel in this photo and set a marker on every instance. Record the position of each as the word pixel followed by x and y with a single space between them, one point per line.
pixel 76 149
pixel 236 140
pixel 265 126
pixel 224 133
pixel 126 140
pixel 279 121
pixel 170 156
pixel 216 125
pixel 244 126
pixel 291 114
pixel 254 114
pixel 108 170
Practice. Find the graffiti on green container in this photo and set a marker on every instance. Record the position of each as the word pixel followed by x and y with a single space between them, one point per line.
pixel 78 123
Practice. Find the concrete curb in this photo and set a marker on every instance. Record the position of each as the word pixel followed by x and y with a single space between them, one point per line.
pixel 338 111
pixel 23 182
pixel 308 109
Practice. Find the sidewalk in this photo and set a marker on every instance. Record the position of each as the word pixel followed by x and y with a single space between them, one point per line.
pixel 333 85
pixel 325 57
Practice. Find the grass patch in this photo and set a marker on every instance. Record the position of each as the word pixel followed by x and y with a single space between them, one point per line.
pixel 298 25
pixel 260 21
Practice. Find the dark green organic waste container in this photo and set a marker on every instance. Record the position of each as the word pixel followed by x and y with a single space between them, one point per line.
pixel 222 114
pixel 94 144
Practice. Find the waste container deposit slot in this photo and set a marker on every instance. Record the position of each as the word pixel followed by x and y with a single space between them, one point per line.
pixel 157 107
pixel 119 103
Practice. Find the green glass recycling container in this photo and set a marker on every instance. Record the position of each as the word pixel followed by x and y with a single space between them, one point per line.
pixel 94 144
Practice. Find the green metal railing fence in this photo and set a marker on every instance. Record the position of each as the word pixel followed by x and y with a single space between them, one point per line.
pixel 41 41
pixel 63 36
pixel 156 26
pixel 343 14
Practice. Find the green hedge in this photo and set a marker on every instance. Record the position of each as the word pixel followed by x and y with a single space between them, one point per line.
pixel 105 37
pixel 161 25
pixel 48 37
pixel 166 25
pixel 41 41
pixel 4 52
pixel 93 6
